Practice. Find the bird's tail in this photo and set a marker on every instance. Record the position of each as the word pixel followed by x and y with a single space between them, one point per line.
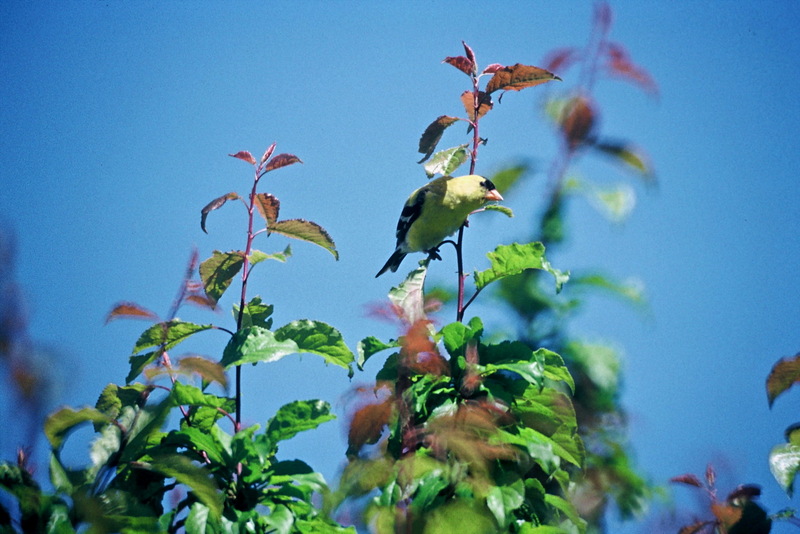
pixel 393 263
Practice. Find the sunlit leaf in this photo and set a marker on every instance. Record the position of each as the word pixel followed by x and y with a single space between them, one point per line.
pixel 244 155
pixel 138 363
pixel 517 77
pixel 215 204
pixel 296 417
pixel 60 423
pixel 507 178
pixel 217 272
pixel 369 346
pixel 167 334
pixel 268 206
pixel 630 156
pixel 255 313
pixel 508 260
pixel 130 310
pixel 256 256
pixel 267 153
pixel 305 231
pixel 784 463
pixel 255 344
pixel 318 338
pixel 447 161
pixel 408 297
pixel 433 134
pixel 491 69
pixel 281 160
pixel 113 398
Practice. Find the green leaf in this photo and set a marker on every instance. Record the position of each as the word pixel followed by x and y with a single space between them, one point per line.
pixel 369 346
pixel 503 500
pixel 197 519
pixel 280 520
pixel 631 156
pixel 114 397
pixel 305 231
pixel 447 161
pixel 187 473
pixel 505 210
pixel 783 375
pixel 505 179
pixel 433 134
pixel 185 395
pixel 457 335
pixel 508 260
pixel 217 272
pixel 255 313
pixel 318 338
pixel 139 362
pixel 631 290
pixel 296 417
pixel 255 344
pixel 167 334
pixel 566 509
pixel 256 256
pixel 61 422
pixel 784 462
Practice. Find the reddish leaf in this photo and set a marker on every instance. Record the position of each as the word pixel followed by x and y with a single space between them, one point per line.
pixel 484 104
pixel 130 310
pixel 202 301
pixel 727 515
pixel 268 206
pixel 518 77
pixel 784 375
pixel 214 204
pixel 578 121
pixel 433 134
pixel 268 153
pixel 688 479
pixel 461 63
pixel 491 69
pixel 470 53
pixel 367 425
pixel 619 64
pixel 281 160
pixel 244 155
pixel 561 58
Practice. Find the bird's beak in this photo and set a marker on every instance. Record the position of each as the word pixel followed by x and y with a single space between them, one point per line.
pixel 493 195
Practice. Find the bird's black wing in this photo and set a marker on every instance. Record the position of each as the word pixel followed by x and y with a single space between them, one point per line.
pixel 410 213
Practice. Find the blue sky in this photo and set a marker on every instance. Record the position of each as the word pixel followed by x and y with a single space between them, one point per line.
pixel 117 119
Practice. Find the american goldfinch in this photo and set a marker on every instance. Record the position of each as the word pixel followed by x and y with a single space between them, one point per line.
pixel 435 211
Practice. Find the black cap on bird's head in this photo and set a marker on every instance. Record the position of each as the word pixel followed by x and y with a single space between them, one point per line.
pixel 491 191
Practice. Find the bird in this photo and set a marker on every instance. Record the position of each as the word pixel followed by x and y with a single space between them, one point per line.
pixel 435 211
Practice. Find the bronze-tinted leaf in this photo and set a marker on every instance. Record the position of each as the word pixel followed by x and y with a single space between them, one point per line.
pixel 783 375
pixel 130 310
pixel 491 69
pixel 695 528
pixel 484 104
pixel 619 64
pixel 244 155
pixel 367 425
pixel 433 134
pixel 208 370
pixel 578 121
pixel 201 301
pixel 268 206
pixel 268 152
pixel 461 63
pixel 518 77
pixel 688 479
pixel 281 160
pixel 305 231
pixel 214 204
pixel 470 53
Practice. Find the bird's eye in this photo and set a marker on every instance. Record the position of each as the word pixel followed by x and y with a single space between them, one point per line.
pixel 488 185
